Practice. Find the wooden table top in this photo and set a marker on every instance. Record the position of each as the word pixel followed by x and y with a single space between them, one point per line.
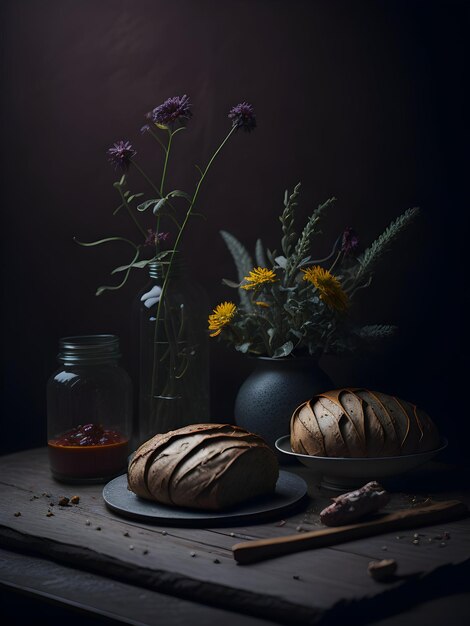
pixel 194 570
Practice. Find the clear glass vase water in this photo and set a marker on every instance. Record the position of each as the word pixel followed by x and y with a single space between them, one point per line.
pixel 173 353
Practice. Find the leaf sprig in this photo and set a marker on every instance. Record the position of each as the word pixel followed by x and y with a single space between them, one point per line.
pixel 369 259
pixel 304 309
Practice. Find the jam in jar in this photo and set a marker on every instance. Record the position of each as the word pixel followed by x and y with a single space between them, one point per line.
pixel 89 402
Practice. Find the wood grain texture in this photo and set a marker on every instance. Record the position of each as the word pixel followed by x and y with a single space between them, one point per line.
pixel 254 551
pixel 99 595
pixel 304 586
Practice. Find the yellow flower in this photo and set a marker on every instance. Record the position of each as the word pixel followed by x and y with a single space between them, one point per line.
pixel 328 286
pixel 259 276
pixel 222 315
pixel 264 305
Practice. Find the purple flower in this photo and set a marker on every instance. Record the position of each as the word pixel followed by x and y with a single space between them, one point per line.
pixel 171 110
pixel 243 116
pixel 349 241
pixel 120 154
pixel 153 237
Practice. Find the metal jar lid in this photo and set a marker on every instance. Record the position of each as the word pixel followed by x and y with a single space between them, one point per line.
pixel 88 349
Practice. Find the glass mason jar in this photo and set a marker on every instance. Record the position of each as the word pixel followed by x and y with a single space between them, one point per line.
pixel 173 354
pixel 89 411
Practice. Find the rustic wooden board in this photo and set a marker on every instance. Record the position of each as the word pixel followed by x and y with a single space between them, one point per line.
pixel 302 585
pixel 98 595
pixel 247 552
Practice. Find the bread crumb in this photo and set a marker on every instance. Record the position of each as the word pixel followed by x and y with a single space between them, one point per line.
pixel 382 570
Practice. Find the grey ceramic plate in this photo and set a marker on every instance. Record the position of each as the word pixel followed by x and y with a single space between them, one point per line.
pixel 290 493
pixel 342 473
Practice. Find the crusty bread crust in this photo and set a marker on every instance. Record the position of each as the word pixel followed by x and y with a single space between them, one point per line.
pixel 203 466
pixel 361 423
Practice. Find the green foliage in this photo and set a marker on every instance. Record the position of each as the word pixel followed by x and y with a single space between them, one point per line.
pixel 242 260
pixel 240 254
pixel 287 220
pixel 288 316
pixel 259 254
pixel 376 332
pixel 374 253
pixel 302 246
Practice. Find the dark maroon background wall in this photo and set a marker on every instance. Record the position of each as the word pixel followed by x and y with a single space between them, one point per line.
pixel 363 100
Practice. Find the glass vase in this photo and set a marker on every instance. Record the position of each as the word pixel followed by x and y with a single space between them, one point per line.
pixel 173 352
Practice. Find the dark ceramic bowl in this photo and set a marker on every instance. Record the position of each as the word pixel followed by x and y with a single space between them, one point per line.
pixel 342 473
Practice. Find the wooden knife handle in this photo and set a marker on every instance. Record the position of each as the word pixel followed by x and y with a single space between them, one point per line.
pixel 252 551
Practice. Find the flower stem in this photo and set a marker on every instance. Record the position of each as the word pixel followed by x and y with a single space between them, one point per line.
pixel 335 262
pixel 165 164
pixel 157 138
pixel 133 217
pixel 265 336
pixel 155 188
pixel 203 175
pixel 175 247
pixel 131 214
pixel 327 258
pixel 149 180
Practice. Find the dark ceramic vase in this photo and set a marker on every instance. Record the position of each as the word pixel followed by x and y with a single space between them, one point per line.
pixel 269 396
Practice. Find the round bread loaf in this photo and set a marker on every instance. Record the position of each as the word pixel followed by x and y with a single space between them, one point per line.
pixel 203 466
pixel 361 423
